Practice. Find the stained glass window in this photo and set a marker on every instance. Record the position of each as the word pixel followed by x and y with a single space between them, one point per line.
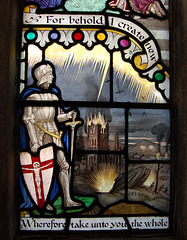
pixel 94 116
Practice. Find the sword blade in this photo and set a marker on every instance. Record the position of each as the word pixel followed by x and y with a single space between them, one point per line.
pixel 72 142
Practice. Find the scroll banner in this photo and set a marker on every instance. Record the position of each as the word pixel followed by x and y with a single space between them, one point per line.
pixel 94 224
pixel 129 27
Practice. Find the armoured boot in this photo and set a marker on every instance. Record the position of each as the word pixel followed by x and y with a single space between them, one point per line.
pixel 64 182
pixel 64 179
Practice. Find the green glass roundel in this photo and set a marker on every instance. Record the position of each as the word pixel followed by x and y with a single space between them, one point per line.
pixel 159 76
pixel 31 35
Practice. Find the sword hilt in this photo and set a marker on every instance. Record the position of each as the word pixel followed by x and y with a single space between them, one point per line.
pixel 73 123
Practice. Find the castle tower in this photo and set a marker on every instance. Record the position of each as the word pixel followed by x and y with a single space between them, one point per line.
pixel 98 137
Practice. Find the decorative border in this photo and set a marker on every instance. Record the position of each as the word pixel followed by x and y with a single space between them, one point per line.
pixel 136 44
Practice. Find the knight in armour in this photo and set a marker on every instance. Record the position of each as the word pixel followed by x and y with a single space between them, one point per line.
pixel 41 124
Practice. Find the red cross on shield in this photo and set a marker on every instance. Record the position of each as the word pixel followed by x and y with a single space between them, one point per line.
pixel 38 173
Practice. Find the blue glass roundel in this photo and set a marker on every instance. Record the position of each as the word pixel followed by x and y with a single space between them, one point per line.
pixel 54 35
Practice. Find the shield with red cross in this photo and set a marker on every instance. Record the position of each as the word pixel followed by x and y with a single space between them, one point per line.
pixel 38 173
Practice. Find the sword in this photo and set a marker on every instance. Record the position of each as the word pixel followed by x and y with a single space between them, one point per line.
pixel 72 124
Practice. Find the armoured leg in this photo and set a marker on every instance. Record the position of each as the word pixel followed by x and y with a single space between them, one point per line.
pixel 64 180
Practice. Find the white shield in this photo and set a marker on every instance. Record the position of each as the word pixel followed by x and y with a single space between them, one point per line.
pixel 38 173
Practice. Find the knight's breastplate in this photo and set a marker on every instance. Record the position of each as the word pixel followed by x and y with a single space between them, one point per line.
pixel 44 113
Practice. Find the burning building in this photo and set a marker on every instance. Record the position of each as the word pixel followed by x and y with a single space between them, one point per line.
pixel 96 139
pixel 98 165
pixel 97 132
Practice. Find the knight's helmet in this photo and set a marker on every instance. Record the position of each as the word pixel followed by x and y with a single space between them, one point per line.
pixel 40 73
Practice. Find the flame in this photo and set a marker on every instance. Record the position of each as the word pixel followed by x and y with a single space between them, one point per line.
pixel 102 179
pixel 97 119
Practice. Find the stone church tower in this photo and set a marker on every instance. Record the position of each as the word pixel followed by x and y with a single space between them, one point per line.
pixel 98 137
